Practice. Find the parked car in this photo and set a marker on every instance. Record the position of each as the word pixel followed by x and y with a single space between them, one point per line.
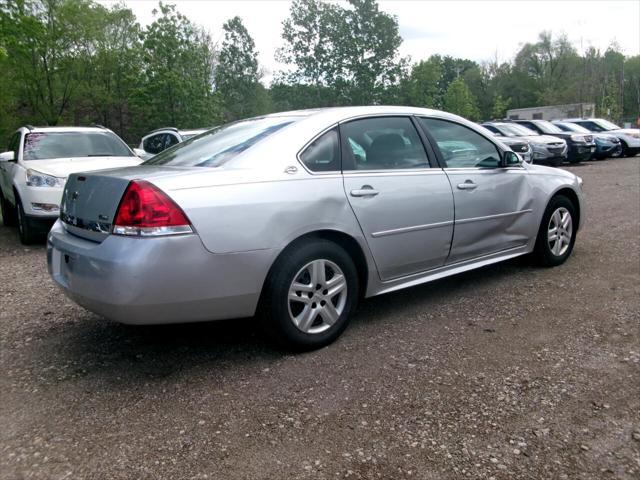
pixel 629 137
pixel 606 145
pixel 519 145
pixel 297 215
pixel 581 145
pixel 546 149
pixel 163 138
pixel 35 167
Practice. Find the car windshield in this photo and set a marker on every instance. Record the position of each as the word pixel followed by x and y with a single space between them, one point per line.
pixel 572 127
pixel 45 145
pixel 605 124
pixel 221 144
pixel 548 127
pixel 515 130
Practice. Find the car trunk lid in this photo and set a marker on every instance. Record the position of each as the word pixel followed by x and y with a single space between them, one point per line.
pixel 90 200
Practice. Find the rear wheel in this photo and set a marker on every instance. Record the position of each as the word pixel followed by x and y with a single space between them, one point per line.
pixel 310 294
pixel 557 233
pixel 25 230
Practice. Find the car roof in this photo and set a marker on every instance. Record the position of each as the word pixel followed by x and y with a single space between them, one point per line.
pixel 340 113
pixel 64 129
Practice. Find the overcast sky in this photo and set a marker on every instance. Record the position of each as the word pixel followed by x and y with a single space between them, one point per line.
pixel 477 30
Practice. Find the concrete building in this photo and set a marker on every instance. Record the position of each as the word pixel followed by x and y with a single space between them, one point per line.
pixel 553 112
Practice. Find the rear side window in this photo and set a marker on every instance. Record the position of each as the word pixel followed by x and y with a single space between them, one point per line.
pixel 382 143
pixel 43 145
pixel 460 146
pixel 154 144
pixel 323 154
pixel 219 145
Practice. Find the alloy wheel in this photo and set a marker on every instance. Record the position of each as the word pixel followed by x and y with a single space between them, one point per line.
pixel 560 231
pixel 317 296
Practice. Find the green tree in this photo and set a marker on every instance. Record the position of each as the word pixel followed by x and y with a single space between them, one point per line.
pixel 115 65
pixel 500 106
pixel 353 51
pixel 421 87
pixel 176 84
pixel 47 42
pixel 237 75
pixel 459 100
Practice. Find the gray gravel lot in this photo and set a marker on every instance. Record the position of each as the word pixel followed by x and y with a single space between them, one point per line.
pixel 507 372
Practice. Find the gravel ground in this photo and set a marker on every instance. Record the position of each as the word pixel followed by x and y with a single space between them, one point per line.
pixel 507 372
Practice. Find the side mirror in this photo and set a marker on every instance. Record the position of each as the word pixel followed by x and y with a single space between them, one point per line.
pixel 510 159
pixel 7 156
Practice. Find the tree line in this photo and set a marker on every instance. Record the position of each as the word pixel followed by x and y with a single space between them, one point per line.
pixel 79 62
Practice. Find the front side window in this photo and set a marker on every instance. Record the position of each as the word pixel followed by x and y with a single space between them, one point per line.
pixel 14 144
pixel 591 126
pixel 44 145
pixel 460 146
pixel 219 145
pixel 382 143
pixel 323 154
pixel 170 140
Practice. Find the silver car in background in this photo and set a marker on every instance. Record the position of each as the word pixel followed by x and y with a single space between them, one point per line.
pixel 297 215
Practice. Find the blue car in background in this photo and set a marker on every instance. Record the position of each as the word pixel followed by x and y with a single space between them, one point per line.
pixel 606 145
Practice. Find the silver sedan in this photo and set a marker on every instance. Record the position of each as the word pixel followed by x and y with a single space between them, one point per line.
pixel 298 215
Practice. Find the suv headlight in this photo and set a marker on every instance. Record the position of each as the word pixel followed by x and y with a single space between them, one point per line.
pixel 578 138
pixel 38 179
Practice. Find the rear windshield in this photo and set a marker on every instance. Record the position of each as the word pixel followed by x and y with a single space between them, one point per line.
pixel 45 145
pixel 219 145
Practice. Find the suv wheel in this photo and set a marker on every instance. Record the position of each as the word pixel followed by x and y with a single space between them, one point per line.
pixel 8 212
pixel 557 233
pixel 25 230
pixel 310 294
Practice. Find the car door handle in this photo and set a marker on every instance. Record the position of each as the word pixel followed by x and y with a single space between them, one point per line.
pixel 365 191
pixel 468 185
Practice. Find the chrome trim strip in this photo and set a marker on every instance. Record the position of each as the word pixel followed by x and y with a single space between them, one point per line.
pixel 414 228
pixel 491 217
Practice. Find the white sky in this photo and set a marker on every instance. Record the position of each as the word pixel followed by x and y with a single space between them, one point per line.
pixel 477 30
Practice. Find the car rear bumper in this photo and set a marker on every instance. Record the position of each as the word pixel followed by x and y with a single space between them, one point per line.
pixel 156 280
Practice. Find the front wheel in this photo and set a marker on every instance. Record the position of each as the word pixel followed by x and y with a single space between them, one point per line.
pixel 25 230
pixel 557 233
pixel 8 212
pixel 310 294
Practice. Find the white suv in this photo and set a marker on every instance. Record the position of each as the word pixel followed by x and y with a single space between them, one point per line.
pixel 163 138
pixel 629 137
pixel 34 169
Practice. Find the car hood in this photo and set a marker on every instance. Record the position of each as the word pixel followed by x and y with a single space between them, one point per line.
pixel 63 167
pixel 625 131
pixel 543 139
pixel 605 136
pixel 558 172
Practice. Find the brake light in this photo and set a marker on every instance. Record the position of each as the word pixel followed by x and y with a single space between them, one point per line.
pixel 145 210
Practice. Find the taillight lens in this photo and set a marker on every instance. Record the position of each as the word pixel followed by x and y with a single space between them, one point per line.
pixel 145 210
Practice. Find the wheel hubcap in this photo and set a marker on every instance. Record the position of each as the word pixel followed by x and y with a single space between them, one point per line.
pixel 560 231
pixel 317 296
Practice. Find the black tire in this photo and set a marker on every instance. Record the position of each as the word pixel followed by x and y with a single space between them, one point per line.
pixel 574 160
pixel 625 149
pixel 27 235
pixel 277 311
pixel 543 252
pixel 9 217
pixel 556 162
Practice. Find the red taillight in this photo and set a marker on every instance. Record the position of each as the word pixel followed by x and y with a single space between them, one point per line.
pixel 147 210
